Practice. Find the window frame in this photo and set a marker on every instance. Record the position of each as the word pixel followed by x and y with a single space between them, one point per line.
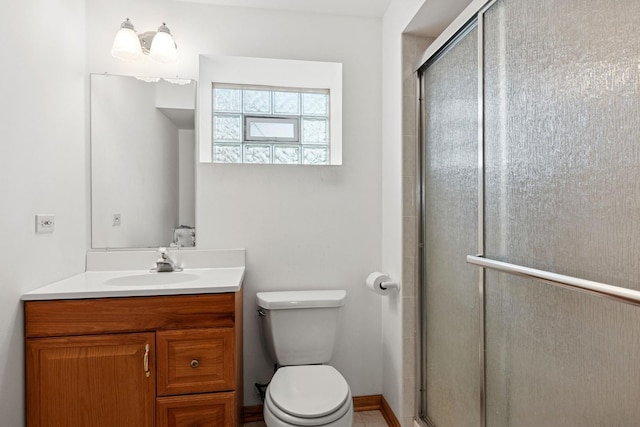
pixel 249 119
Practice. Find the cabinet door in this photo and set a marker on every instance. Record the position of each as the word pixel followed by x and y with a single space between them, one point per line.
pixel 196 361
pixel 202 410
pixel 91 381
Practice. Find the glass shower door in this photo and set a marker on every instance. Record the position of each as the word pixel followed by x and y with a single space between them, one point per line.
pixel 451 374
pixel 562 161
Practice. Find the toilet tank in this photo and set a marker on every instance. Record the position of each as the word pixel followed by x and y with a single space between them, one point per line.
pixel 299 327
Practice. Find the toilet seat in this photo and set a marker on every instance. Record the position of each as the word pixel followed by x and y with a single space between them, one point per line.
pixel 308 395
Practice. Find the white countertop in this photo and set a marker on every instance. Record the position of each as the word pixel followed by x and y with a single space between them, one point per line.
pixel 127 283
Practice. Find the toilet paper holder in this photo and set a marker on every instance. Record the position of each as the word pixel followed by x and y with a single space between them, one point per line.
pixel 390 284
pixel 381 283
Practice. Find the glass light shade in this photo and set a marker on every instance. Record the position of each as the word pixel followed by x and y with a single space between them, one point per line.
pixel 163 48
pixel 126 45
pixel 148 79
pixel 180 82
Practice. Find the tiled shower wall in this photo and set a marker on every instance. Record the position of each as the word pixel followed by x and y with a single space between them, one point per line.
pixel 412 49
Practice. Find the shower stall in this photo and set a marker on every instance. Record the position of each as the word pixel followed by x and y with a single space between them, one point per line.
pixel 530 217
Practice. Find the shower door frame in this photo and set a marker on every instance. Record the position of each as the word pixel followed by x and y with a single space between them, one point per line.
pixel 472 16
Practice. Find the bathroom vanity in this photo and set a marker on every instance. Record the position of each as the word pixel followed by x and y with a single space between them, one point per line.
pixel 140 354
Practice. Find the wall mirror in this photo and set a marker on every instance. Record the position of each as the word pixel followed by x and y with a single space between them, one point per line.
pixel 142 162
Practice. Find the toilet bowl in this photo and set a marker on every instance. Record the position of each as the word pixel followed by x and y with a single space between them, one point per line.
pixel 309 395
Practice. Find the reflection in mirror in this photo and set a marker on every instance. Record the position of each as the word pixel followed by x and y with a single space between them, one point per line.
pixel 142 162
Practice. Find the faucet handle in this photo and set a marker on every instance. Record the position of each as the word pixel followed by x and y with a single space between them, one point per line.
pixel 164 255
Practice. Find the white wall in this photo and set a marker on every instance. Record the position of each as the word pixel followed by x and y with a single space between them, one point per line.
pixel 43 167
pixel 134 165
pixel 395 310
pixel 303 227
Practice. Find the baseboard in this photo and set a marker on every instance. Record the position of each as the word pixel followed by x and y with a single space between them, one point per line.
pixel 367 403
pixel 374 402
pixel 388 414
pixel 252 414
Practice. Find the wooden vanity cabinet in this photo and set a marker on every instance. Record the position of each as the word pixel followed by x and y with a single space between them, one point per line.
pixel 169 361
pixel 73 380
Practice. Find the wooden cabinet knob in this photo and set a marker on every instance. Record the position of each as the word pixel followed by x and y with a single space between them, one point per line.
pixel 195 363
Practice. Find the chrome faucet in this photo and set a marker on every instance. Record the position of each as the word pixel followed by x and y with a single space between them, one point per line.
pixel 164 264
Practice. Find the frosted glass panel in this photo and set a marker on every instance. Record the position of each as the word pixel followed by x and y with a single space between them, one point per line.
pixel 286 103
pixel 559 358
pixel 451 287
pixel 315 156
pixel 227 100
pixel 563 132
pixel 284 155
pixel 257 154
pixel 315 104
pixel 562 104
pixel 314 131
pixel 227 153
pixel 227 128
pixel 257 101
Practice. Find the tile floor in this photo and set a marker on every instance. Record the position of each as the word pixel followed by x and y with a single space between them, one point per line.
pixel 360 419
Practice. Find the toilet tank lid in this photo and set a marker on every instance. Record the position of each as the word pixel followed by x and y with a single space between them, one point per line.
pixel 300 299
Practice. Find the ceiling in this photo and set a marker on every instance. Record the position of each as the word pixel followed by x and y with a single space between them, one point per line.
pixel 364 8
pixel 432 18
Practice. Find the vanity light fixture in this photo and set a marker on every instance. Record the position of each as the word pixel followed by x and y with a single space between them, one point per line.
pixel 176 81
pixel 130 46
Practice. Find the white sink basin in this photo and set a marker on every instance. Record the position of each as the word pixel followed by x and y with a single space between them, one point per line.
pixel 152 279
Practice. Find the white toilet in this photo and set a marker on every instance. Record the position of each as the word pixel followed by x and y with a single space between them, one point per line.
pixel 299 328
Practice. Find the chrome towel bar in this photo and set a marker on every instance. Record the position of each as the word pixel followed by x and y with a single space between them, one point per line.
pixel 617 293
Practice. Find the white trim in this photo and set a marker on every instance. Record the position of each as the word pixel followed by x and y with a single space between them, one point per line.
pixel 465 16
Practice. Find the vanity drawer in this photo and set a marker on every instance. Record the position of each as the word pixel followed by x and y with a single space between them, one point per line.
pixel 195 361
pixel 131 314
pixel 200 410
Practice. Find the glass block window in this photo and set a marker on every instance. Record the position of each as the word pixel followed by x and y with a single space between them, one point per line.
pixel 270 125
